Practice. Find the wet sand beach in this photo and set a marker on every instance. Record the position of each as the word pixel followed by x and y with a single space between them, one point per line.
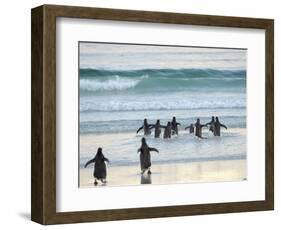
pixel 194 172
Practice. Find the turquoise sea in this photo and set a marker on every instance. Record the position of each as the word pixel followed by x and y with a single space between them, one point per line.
pixel 120 85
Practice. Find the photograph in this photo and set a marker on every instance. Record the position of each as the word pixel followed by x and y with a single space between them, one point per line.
pixel 152 114
pixel 141 114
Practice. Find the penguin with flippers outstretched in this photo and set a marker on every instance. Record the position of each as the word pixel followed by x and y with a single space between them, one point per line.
pixel 146 128
pixel 168 131
pixel 100 166
pixel 157 127
pixel 175 124
pixel 212 124
pixel 217 127
pixel 190 127
pixel 198 129
pixel 145 158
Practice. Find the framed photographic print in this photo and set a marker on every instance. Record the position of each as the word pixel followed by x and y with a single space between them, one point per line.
pixel 140 114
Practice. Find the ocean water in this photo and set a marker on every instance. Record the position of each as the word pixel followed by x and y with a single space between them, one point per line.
pixel 116 94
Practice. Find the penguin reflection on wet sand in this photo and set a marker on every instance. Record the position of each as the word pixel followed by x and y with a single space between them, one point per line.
pixel 146 128
pixel 145 159
pixel 190 127
pixel 146 179
pixel 168 131
pixel 175 126
pixel 157 129
pixel 217 127
pixel 198 129
pixel 212 124
pixel 100 167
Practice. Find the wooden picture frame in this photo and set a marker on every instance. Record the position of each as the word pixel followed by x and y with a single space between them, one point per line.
pixel 43 188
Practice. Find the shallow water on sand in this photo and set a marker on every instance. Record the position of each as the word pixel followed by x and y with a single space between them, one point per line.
pixel 121 148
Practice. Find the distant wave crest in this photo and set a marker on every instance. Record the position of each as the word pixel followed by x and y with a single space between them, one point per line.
pixel 93 80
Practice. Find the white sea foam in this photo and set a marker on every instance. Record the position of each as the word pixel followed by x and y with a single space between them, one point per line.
pixel 162 102
pixel 115 83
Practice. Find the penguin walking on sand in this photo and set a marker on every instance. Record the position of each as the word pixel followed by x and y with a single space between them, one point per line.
pixel 212 124
pixel 190 127
pixel 146 128
pixel 157 129
pixel 145 158
pixel 100 167
pixel 175 124
pixel 168 131
pixel 198 129
pixel 217 127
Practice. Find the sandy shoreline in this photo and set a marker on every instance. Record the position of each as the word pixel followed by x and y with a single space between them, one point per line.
pixel 194 172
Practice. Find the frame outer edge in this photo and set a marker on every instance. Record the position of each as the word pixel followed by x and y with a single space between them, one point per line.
pixel 37 202
pixel 43 156
pixel 156 16
pixel 269 145
pixel 49 114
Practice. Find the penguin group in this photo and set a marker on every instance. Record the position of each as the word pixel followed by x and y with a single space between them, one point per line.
pixel 100 166
pixel 170 129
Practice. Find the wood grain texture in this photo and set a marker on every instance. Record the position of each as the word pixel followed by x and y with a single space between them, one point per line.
pixel 37 116
pixel 43 207
pixel 269 114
